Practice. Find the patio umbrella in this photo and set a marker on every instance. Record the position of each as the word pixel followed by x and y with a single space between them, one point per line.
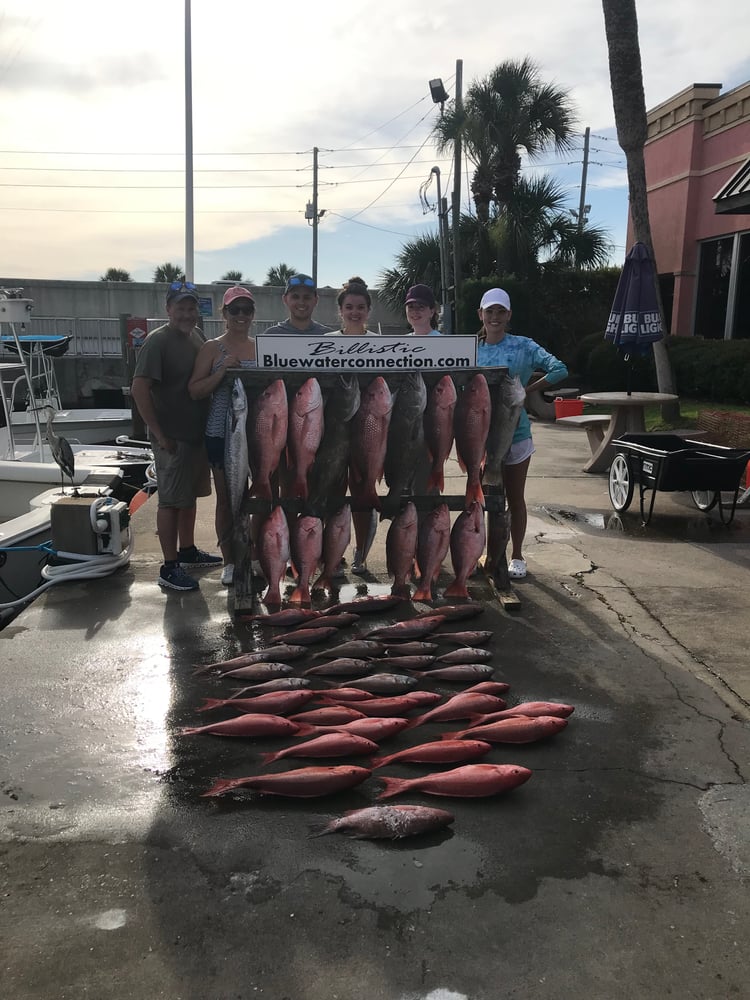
pixel 634 322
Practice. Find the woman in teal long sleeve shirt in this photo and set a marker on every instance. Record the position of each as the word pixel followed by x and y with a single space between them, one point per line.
pixel 521 356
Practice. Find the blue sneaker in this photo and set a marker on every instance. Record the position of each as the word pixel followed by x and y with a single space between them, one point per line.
pixel 175 578
pixel 197 557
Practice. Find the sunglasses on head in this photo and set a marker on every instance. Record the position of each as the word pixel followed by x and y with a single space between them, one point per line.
pixel 308 282
pixel 179 286
pixel 240 310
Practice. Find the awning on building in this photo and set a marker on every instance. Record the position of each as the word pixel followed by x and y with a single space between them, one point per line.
pixel 734 197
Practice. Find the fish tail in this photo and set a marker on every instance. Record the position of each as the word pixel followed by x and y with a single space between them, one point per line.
pixel 424 592
pixel 394 786
pixel 474 492
pixel 220 787
pixel 452 736
pixel 272 595
pixel 190 730
pixel 329 828
pixel 304 729
pixel 401 590
pixel 210 703
pixel 419 673
pixel 436 480
pixel 376 762
pixel 300 595
pixel 202 668
pixel 456 589
pixel 269 758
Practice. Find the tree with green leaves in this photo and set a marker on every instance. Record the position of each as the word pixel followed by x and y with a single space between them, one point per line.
pixel 169 272
pixel 116 274
pixel 280 274
pixel 629 102
pixel 232 276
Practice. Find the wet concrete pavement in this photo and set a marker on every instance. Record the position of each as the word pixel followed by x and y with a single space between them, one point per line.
pixel 620 869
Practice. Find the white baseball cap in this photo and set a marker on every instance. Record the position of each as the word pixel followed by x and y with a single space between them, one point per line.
pixel 495 297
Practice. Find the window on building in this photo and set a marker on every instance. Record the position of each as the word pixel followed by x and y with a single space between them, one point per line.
pixel 666 286
pixel 741 325
pixel 714 271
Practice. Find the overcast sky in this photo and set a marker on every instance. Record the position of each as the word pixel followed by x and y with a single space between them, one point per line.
pixel 92 122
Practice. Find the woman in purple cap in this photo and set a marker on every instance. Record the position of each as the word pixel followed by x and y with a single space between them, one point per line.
pixel 235 348
pixel 521 356
pixel 422 312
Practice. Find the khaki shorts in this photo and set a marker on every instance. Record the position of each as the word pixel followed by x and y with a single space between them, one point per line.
pixel 181 476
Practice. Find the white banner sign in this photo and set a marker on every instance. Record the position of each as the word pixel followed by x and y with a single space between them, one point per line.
pixel 363 354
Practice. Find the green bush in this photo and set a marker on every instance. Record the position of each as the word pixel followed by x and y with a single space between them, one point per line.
pixel 715 370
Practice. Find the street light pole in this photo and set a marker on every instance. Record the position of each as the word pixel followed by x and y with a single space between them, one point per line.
pixel 442 209
pixel 456 214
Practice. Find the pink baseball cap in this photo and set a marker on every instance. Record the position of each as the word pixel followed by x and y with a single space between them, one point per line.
pixel 236 292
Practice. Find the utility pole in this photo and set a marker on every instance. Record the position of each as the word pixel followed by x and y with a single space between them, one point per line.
pixel 313 215
pixel 456 214
pixel 582 203
pixel 189 244
pixel 442 210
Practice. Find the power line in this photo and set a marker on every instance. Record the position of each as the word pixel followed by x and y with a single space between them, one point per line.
pixel 209 170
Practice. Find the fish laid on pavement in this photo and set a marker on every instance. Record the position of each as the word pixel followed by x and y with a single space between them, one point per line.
pixel 471 426
pixel 236 461
pixel 346 694
pixel 343 620
pixel 399 705
pixel 369 441
pixel 405 435
pixel 459 672
pixel 455 612
pixel 342 666
pixel 270 703
pixel 288 617
pixel 462 706
pixel 259 725
pixel 438 429
pixel 263 671
pixel 377 728
pixel 329 475
pixel 488 687
pixel 306 544
pixel 366 605
pixel 418 662
pixel 469 781
pixel 517 729
pixel 412 629
pixel 465 654
pixel 468 638
pixel 534 708
pixel 302 783
pixel 305 433
pixel 388 822
pixel 279 684
pixel 277 652
pixel 267 432
pixel 467 543
pixel 308 636
pixel 337 534
pixel 273 553
pixel 507 397
pixel 329 745
pixel 432 546
pixel 401 549
pixel 385 683
pixel 354 647
pixel 437 752
pixel 331 715
pixel 411 648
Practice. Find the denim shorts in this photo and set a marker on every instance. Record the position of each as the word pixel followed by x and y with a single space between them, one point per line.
pixel 215 451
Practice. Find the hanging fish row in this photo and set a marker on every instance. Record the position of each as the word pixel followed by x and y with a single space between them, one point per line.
pixel 315 444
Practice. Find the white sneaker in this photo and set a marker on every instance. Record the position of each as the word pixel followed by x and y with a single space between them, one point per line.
pixel 517 569
pixel 227 575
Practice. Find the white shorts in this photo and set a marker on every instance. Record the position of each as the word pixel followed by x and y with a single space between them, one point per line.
pixel 519 451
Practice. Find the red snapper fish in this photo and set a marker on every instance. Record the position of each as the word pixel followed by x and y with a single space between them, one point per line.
pixel 267 433
pixel 455 612
pixel 251 726
pixel 469 781
pixel 415 648
pixel 366 605
pixel 470 638
pixel 488 687
pixel 280 652
pixel 288 617
pixel 519 729
pixel 376 729
pixel 461 706
pixel 309 636
pixel 401 548
pixel 437 752
pixel 305 433
pixel 397 705
pixel 342 666
pixel 273 553
pixel 438 429
pixel 331 621
pixel 432 546
pixel 471 425
pixel 464 654
pixel 331 715
pixel 336 537
pixel 271 703
pixel 302 783
pixel 467 542
pixel 369 441
pixel 413 629
pixel 388 822
pixel 306 539
pixel 347 694
pixel 459 672
pixel 532 709
pixel 330 745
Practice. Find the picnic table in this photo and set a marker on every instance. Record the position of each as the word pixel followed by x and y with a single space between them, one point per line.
pixel 628 415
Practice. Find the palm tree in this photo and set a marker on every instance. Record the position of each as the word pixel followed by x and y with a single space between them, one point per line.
pixel 169 272
pixel 279 275
pixel 626 81
pixel 508 112
pixel 232 276
pixel 116 274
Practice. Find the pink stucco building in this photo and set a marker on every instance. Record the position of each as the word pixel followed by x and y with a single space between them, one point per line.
pixel 698 177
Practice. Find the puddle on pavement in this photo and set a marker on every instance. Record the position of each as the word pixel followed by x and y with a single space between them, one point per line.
pixel 691 526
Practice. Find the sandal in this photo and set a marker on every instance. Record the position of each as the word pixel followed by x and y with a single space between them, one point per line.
pixel 517 569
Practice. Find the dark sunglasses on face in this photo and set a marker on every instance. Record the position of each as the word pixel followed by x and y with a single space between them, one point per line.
pixel 302 281
pixel 179 286
pixel 240 310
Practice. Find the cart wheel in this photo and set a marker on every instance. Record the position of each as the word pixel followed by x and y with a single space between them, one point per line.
pixel 620 482
pixel 705 499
